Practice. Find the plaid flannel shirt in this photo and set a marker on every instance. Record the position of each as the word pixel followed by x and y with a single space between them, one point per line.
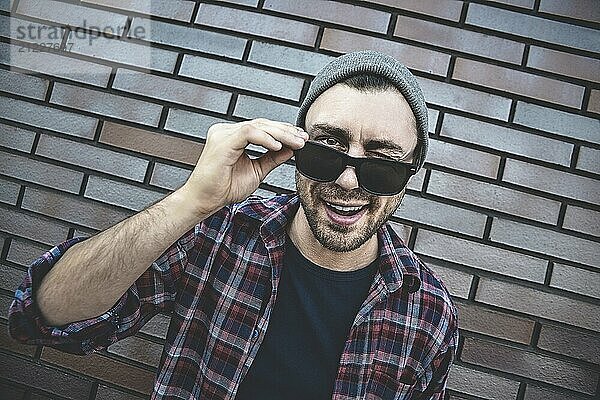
pixel 220 281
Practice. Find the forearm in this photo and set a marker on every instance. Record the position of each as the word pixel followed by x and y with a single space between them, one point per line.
pixel 92 275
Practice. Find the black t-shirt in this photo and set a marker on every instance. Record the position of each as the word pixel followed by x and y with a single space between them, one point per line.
pixel 312 316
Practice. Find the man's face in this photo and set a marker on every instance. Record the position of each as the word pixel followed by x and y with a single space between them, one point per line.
pixel 362 124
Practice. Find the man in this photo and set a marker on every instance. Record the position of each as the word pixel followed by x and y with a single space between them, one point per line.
pixel 308 296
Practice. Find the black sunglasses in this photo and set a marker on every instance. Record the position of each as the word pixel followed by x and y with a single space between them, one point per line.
pixel 377 176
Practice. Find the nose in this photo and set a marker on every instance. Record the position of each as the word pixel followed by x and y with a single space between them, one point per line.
pixel 347 179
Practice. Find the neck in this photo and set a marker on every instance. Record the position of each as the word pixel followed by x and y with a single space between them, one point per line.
pixel 306 242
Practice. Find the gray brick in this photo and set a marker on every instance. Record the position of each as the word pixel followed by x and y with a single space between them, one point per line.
pixel 302 61
pixel 431 212
pixel 189 123
pixel 570 342
pixel 253 107
pixel 582 220
pixel 179 10
pixel 464 159
pixel 24 85
pixel 481 256
pixel 73 209
pixel 169 177
pixel 172 90
pixel 416 181
pixel 517 3
pixel 16 138
pixel 242 21
pixel 6 5
pixel 528 26
pixel 55 65
pixel 469 100
pixel 446 10
pixel 47 118
pixel 157 326
pixel 24 252
pixel 242 77
pixel 337 13
pixel 474 317
pixel 401 230
pixel 30 32
pixel 10 277
pixel 538 393
pixel 552 181
pixel 252 3
pixel 579 9
pixel 491 196
pixel 137 349
pixel 93 157
pixel 30 170
pixel 589 160
pixel 9 191
pixel 106 393
pixel 106 104
pixel 32 226
pixel 564 63
pixel 538 303
pixel 190 38
pixel 558 122
pixel 478 383
pixel 457 282
pixel 508 140
pixel 282 177
pixel 524 363
pixel 576 280
pixel 120 194
pixel 123 52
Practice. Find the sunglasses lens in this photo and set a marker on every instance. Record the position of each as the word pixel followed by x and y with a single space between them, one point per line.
pixel 383 178
pixel 319 163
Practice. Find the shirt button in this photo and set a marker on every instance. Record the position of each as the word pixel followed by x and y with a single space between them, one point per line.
pixel 255 334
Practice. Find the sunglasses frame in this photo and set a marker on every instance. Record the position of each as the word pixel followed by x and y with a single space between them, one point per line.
pixel 357 162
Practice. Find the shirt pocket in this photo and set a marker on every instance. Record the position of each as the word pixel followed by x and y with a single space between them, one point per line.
pixel 389 381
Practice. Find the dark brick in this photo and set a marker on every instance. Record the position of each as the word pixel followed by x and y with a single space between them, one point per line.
pixel 179 10
pixel 463 159
pixel 457 282
pixel 478 383
pixel 446 10
pixel 120 194
pixel 9 191
pixel 137 349
pixel 582 220
pixel 157 326
pixel 537 393
pixel 257 24
pixel 481 256
pixel 190 38
pixel 524 363
pixel 16 138
pixel 594 102
pixel 29 170
pixel 5 302
pixel 169 177
pixel 10 277
pixel 24 252
pixel 190 123
pixel 538 303
pixel 24 85
pixel 576 280
pixel 48 118
pixel 305 62
pixel 579 9
pixel 32 226
pixel 106 393
pixel 589 160
pixel 172 90
pixel 253 107
pixel 92 157
pixel 569 342
pixel 11 391
pixel 564 63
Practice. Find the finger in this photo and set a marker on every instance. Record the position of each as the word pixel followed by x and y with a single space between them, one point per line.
pixel 272 159
pixel 289 136
pixel 250 134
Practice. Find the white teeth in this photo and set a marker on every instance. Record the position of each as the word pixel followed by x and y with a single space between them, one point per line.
pixel 344 209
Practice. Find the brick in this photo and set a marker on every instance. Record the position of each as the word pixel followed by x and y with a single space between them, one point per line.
pixel 517 82
pixel 337 13
pixel 169 177
pixel 582 220
pixel 6 5
pixel 252 107
pixel 594 102
pixel 106 104
pixel 480 256
pixel 137 349
pixel 473 382
pixel 576 280
pixel 463 159
pixel 517 3
pixel 101 367
pixel 120 194
pixel 531 27
pixel 48 118
pixel 42 173
pixel 24 252
pixel 30 32
pixel 123 52
pixel 282 177
pixel 190 123
pixel 579 9
pixel 525 363
pixel 16 138
pixel 9 191
pixel 564 63
pixel 32 226
pixel 10 391
pixel 151 143
pixel 589 160
pixel 558 122
pixel 464 99
pixel 459 39
pixel 552 181
pixel 252 3
pixel 416 181
pixel 73 209
pixel 401 230
pixel 447 10
pixel 172 90
pixel 288 58
pixel 10 277
pixel 92 157
pixel 433 213
pixel 55 65
pixel 474 317
pixel 417 58
pixel 570 342
pixel 507 140
pixel 457 282
pixel 190 38
pixel 491 196
pixel 178 10
pixel 157 326
pixel 5 302
pixel 24 85
pixel 242 21
pixel 538 303
pixel 537 393
pixel 106 393
pixel 242 77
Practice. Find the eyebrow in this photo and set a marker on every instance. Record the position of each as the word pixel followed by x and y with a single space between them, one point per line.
pixel 375 144
pixel 339 132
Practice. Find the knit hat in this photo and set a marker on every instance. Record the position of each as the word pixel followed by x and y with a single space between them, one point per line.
pixel 374 63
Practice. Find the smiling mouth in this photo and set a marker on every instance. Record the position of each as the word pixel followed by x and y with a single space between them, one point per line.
pixel 345 210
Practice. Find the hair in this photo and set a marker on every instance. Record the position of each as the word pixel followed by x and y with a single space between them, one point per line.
pixel 369 83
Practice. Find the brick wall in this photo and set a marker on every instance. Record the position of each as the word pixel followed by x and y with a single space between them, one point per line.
pixel 507 210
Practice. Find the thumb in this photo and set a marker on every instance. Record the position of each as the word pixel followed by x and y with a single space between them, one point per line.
pixel 272 159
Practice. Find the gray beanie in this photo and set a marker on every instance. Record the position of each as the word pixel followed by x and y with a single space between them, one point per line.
pixel 375 63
